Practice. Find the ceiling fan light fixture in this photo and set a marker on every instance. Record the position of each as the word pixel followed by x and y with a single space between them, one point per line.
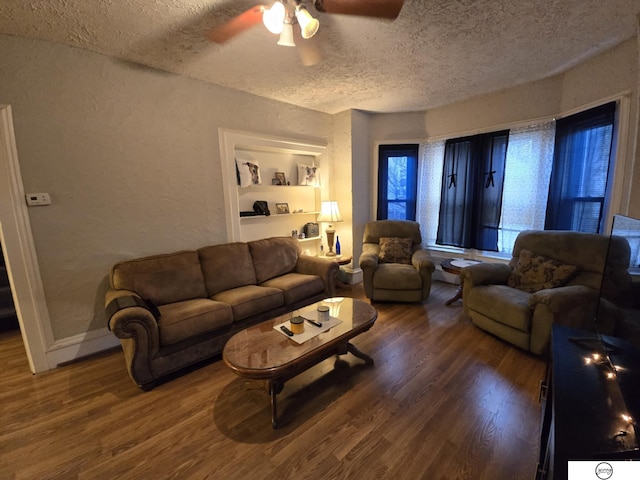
pixel 273 18
pixel 286 37
pixel 308 25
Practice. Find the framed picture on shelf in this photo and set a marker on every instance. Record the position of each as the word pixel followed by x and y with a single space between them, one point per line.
pixel 282 208
pixel 279 176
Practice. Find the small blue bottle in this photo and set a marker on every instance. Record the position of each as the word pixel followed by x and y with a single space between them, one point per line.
pixel 337 245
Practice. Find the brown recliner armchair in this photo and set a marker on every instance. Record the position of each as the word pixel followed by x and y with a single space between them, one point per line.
pixel 403 276
pixel 524 318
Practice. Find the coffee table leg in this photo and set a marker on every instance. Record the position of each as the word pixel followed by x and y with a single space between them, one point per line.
pixel 358 353
pixel 275 387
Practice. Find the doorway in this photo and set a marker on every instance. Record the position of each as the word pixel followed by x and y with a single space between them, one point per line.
pixel 8 317
pixel 19 255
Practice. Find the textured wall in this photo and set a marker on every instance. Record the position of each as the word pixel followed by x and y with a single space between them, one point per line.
pixel 131 159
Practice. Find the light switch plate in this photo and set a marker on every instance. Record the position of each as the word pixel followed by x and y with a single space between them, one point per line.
pixel 35 199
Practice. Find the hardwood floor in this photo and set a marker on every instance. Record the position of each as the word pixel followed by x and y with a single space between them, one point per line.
pixel 444 400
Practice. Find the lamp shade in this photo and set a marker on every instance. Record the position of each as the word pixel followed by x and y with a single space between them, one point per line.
pixel 286 37
pixel 273 18
pixel 329 212
pixel 308 25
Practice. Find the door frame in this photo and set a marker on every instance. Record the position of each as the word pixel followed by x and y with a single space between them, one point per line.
pixel 19 251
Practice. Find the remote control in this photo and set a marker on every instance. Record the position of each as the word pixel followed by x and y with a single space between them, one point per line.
pixel 286 330
pixel 314 322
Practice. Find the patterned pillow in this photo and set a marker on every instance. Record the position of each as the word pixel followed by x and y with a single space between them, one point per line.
pixel 395 250
pixel 533 273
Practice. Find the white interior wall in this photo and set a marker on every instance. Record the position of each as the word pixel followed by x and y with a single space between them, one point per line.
pixel 131 160
pixel 362 179
pixel 340 187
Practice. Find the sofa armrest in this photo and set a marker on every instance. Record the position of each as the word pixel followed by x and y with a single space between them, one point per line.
pixel 485 274
pixel 421 259
pixel 137 329
pixel 325 269
pixel 564 299
pixel 368 262
pixel 572 306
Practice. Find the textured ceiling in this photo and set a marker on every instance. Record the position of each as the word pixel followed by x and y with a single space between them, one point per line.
pixel 436 52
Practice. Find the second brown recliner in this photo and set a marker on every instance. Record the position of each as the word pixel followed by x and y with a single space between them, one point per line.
pixel 396 268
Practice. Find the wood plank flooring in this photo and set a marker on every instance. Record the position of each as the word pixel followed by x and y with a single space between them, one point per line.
pixel 444 400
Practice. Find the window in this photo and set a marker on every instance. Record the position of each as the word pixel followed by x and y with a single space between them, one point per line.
pixel 471 193
pixel 530 198
pixel 397 182
pixel 579 178
pixel 526 181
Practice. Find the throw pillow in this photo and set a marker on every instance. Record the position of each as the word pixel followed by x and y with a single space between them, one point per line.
pixel 308 175
pixel 535 272
pixel 395 250
pixel 248 173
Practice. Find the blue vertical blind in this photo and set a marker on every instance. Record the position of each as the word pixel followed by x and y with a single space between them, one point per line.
pixel 580 173
pixel 397 182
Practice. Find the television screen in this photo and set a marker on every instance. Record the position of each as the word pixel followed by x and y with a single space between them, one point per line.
pixel 617 324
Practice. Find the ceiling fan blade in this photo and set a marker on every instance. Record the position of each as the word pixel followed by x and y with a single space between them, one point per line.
pixel 367 8
pixel 236 25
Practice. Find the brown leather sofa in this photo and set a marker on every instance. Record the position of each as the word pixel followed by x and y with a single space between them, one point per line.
pixel 175 310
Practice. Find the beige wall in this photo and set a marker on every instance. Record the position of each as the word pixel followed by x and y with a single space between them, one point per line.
pixel 131 160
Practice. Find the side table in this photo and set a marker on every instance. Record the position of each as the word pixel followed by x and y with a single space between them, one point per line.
pixel 455 266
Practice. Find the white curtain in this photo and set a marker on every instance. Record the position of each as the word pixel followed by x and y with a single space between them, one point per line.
pixel 526 182
pixel 430 162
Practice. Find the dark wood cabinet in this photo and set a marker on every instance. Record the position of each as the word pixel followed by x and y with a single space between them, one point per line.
pixel 584 415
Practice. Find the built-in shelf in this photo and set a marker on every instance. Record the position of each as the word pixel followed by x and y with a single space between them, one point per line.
pixel 277 215
pixel 310 239
pixel 272 155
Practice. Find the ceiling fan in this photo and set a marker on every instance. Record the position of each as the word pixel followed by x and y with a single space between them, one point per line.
pixel 280 17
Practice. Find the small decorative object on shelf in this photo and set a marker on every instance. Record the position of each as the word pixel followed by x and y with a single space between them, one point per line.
pixel 337 245
pixel 279 176
pixel 282 208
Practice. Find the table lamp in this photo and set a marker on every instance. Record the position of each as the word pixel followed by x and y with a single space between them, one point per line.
pixel 329 213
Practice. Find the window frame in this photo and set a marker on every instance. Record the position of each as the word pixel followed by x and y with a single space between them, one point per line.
pixel 386 151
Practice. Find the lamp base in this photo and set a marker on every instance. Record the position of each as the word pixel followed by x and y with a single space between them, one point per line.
pixel 330 236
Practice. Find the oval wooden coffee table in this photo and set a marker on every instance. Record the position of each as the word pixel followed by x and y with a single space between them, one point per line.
pixel 262 353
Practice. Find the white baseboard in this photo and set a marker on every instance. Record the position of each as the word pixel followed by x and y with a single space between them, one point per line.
pixel 79 346
pixel 352 275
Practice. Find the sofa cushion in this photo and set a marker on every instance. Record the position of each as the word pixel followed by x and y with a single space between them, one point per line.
pixel 182 320
pixel 251 300
pixel 395 250
pixel 503 304
pixel 296 286
pixel 226 266
pixel 162 279
pixel 273 257
pixel 397 276
pixel 536 272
